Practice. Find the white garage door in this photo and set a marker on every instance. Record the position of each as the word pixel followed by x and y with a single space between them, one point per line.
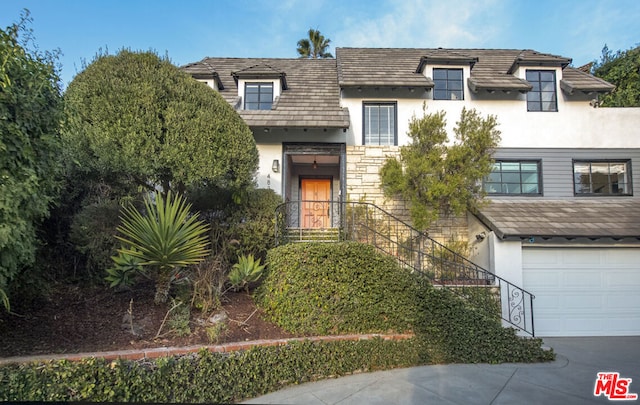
pixel 584 291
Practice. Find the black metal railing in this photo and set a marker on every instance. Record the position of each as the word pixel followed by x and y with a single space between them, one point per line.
pixel 324 221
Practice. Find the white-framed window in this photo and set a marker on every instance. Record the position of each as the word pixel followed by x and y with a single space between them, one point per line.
pixel 379 123
pixel 258 96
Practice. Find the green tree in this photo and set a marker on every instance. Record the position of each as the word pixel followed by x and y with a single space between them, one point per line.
pixel 436 177
pixel 30 113
pixel 622 69
pixel 138 118
pixel 314 47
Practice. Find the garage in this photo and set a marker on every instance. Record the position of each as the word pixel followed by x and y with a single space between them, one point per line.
pixel 584 291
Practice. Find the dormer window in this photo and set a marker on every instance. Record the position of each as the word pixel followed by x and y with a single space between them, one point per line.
pixel 448 84
pixel 542 97
pixel 258 96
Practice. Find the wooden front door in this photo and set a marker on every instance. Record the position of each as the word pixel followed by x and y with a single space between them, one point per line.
pixel 316 197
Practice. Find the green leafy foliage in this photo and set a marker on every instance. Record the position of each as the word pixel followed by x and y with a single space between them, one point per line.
pixel 350 287
pixel 337 288
pixel 137 117
pixel 315 46
pixel 623 70
pixel 126 267
pixel 30 114
pixel 438 178
pixel 92 231
pixel 246 271
pixel 201 378
pixel 165 238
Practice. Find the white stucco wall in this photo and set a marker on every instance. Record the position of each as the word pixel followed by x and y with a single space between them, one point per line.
pixel 506 258
pixel 265 177
pixel 576 124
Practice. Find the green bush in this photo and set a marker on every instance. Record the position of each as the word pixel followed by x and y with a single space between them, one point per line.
pixel 92 233
pixel 202 378
pixel 337 288
pixel 350 287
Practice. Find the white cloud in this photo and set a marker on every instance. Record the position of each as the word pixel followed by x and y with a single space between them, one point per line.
pixel 426 23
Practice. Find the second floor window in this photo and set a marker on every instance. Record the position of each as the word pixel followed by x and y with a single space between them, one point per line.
pixel 514 178
pixel 447 84
pixel 258 96
pixel 542 97
pixel 379 126
pixel 602 177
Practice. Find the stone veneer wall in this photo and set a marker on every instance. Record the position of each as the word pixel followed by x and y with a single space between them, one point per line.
pixel 363 184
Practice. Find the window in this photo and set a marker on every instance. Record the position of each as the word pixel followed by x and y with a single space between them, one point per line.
pixel 379 125
pixel 258 96
pixel 514 177
pixel 542 97
pixel 602 177
pixel 447 84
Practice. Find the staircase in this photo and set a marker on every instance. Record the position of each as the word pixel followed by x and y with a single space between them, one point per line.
pixel 416 251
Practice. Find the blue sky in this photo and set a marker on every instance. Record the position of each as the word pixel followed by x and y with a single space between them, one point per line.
pixel 189 30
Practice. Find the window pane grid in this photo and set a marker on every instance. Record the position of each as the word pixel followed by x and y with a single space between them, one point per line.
pixel 448 84
pixel 601 178
pixel 379 124
pixel 511 177
pixel 542 97
pixel 258 96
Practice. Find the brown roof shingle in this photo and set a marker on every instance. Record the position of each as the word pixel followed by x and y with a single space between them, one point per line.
pixel 589 218
pixel 311 98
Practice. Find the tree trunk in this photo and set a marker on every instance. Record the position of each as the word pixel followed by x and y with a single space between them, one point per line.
pixel 163 284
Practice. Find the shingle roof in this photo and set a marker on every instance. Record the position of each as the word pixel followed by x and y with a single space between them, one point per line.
pixel 589 218
pixel 492 69
pixel 311 98
pixel 577 80
pixel 380 67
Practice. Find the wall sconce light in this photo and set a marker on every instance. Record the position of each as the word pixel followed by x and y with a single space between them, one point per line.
pixel 275 166
pixel 315 164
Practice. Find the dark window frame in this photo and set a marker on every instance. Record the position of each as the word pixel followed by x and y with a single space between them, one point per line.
pixel 366 104
pixel 537 92
pixel 610 185
pixel 502 183
pixel 448 84
pixel 261 105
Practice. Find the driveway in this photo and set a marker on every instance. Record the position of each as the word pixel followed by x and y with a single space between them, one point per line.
pixel 568 380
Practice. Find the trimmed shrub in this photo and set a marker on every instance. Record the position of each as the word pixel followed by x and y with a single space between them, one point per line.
pixel 201 378
pixel 337 288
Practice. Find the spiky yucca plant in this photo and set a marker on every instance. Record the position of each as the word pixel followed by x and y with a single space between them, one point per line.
pixel 165 238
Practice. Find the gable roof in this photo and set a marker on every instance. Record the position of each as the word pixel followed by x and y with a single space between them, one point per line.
pixel 588 218
pixel 310 96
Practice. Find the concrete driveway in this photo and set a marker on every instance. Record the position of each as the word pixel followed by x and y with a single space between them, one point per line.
pixel 568 380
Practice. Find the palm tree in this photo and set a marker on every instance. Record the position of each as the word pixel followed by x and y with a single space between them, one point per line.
pixel 314 47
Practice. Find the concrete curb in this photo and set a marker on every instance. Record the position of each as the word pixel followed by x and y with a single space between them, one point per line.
pixel 152 353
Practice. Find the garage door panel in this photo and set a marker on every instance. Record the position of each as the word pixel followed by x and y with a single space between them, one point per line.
pixel 584 291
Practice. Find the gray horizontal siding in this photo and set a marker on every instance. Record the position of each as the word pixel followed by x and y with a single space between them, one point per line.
pixel 557 166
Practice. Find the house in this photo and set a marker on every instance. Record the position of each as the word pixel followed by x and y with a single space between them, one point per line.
pixel 564 217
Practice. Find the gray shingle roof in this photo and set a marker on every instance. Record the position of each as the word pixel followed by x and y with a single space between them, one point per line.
pixel 311 98
pixel 578 80
pixel 589 218
pixel 491 68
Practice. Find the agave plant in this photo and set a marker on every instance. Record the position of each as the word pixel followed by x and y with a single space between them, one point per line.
pixel 246 271
pixel 165 238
